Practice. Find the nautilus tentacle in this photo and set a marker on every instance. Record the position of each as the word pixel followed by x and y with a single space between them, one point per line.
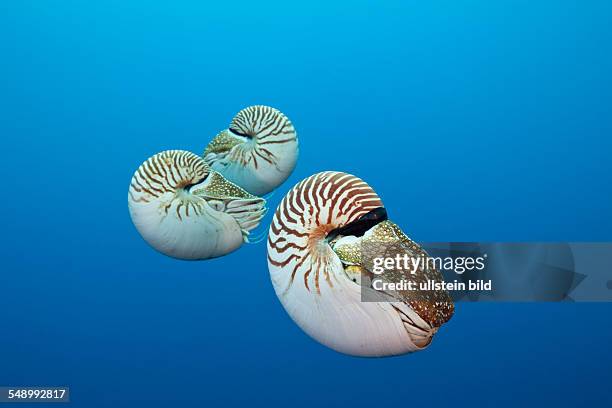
pixel 258 151
pixel 316 269
pixel 185 210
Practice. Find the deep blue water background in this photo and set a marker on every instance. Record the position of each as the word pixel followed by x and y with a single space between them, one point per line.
pixel 474 120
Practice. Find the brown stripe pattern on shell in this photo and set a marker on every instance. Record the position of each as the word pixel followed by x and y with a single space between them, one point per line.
pixel 169 172
pixel 308 212
pixel 268 127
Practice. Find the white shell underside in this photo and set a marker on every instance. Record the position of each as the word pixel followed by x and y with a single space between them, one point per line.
pixel 208 234
pixel 339 320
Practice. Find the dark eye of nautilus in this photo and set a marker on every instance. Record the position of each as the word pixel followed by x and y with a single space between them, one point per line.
pixel 361 225
pixel 189 186
pixel 239 133
pixel 194 182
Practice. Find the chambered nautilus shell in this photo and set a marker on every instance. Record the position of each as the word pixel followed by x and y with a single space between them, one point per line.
pixel 258 151
pixel 185 210
pixel 317 255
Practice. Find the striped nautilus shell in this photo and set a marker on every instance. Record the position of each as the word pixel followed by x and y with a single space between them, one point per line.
pixel 258 151
pixel 185 210
pixel 317 259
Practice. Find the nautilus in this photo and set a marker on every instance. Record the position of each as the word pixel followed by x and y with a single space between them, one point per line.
pixel 322 238
pixel 186 210
pixel 257 152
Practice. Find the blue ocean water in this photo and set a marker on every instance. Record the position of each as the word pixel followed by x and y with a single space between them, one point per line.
pixel 473 120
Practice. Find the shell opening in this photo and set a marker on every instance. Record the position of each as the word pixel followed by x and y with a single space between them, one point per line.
pixel 360 226
pixel 188 186
pixel 238 133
